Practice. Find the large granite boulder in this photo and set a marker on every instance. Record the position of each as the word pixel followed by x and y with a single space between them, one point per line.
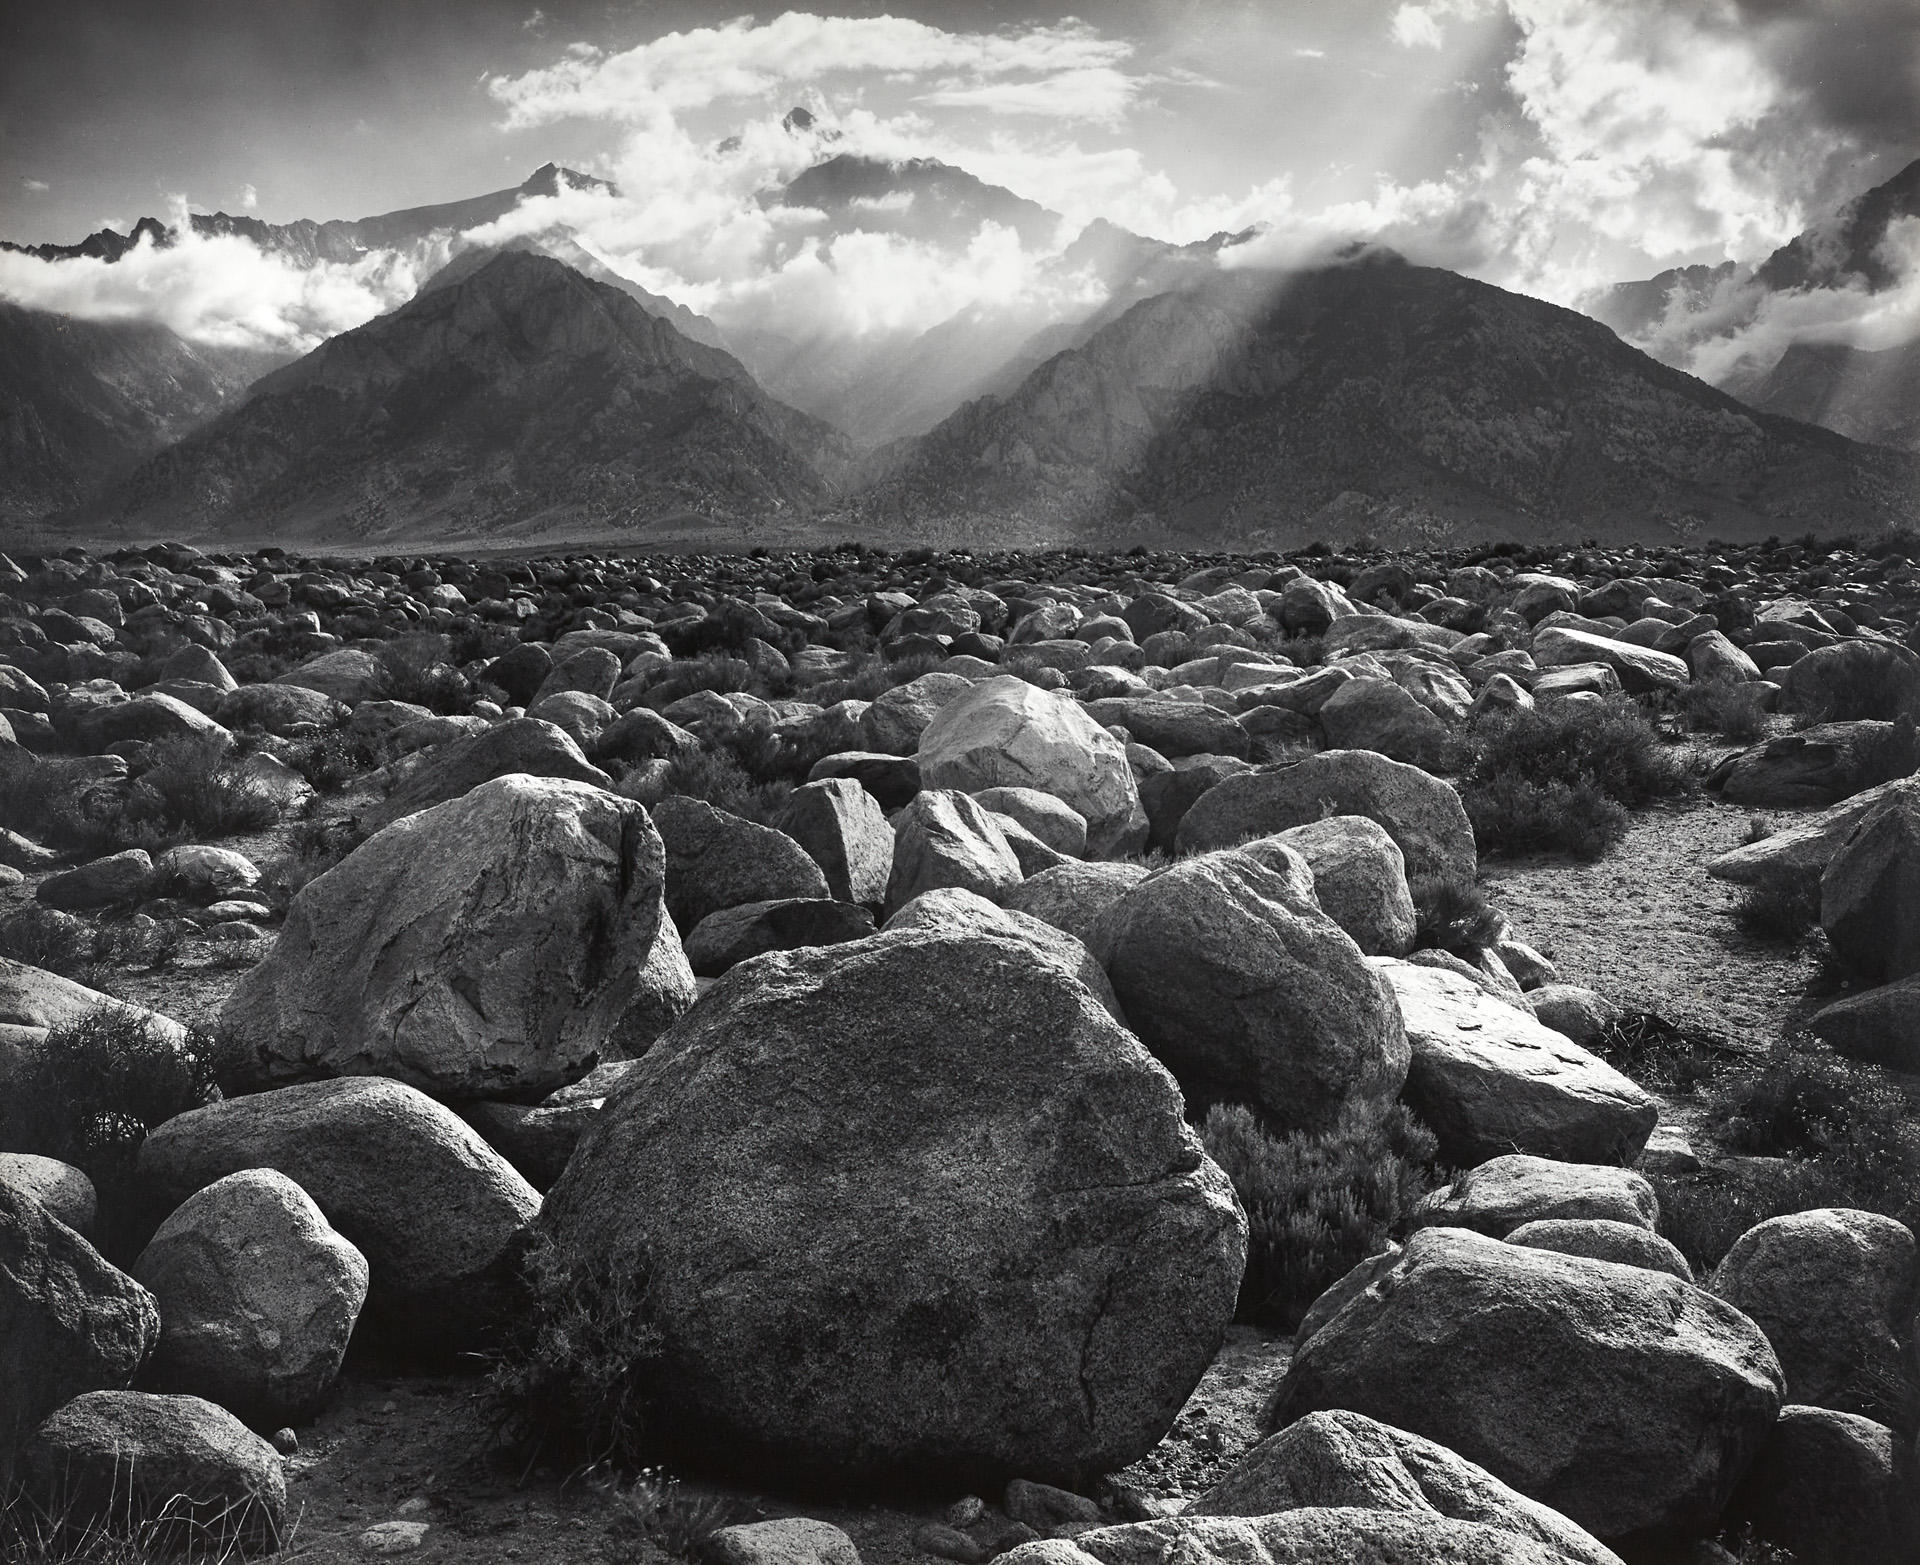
pixel 441 1218
pixel 258 1297
pixel 1359 880
pixel 1313 1535
pixel 843 829
pixel 1004 732
pixel 1422 814
pixel 1238 982
pixel 492 946
pixel 1870 893
pixel 523 744
pixel 943 838
pixel 1489 1079
pixel 914 1205
pixel 1626 1399
pixel 1497 1196
pixel 1833 1489
pixel 69 1321
pixel 716 860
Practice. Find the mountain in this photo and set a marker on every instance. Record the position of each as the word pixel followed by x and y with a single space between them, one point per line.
pixel 83 401
pixel 1373 395
pixel 920 198
pixel 1636 310
pixel 1864 394
pixel 511 394
pixel 339 240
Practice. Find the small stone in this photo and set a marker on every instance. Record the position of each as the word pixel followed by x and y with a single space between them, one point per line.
pixel 285 1441
pixel 417 1506
pixel 393 1537
pixel 965 1511
pixel 949 1543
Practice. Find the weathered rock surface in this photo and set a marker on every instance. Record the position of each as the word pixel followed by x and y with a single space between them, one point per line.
pixel 69 1321
pixel 1834 1290
pixel 62 1189
pixel 1238 982
pixel 1879 1025
pixel 258 1297
pixel 1312 1536
pixel 1499 1195
pixel 1489 1079
pixel 1870 893
pixel 1004 732
pixel 725 939
pixel 843 829
pixel 1339 1458
pixel 441 1218
pixel 1420 812
pixel 123 1460
pixel 1073 897
pixel 493 946
pixel 943 838
pixel 1625 1399
pixel 523 744
pixel 1359 880
pixel 1833 1489
pixel 914 1204
pixel 716 860
pixel 1602 1239
pixel 953 911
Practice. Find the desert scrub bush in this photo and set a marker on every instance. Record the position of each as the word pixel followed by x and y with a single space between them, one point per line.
pixel 330 760
pixel 715 776
pixel 1656 1051
pixel 1317 1204
pixel 414 668
pixel 1780 907
pixel 1703 1214
pixel 43 937
pixel 1563 776
pixel 573 1382
pixel 1734 711
pixel 151 945
pixel 91 1090
pixel 1450 916
pixel 195 787
pixel 36 1532
pixel 658 1512
pixel 877 676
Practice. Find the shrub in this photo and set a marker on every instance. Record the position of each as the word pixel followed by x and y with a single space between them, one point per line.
pixel 1453 917
pixel 195 786
pixel 1703 1214
pixel 149 944
pixel 1514 814
pixel 1317 1205
pixel 573 1381
pixel 329 761
pixel 1868 681
pixel 715 776
pixel 662 1515
pixel 1734 711
pixel 179 1534
pixel 414 668
pixel 40 936
pixel 1782 907
pixel 90 1092
pixel 1657 1052
pixel 1563 775
pixel 876 678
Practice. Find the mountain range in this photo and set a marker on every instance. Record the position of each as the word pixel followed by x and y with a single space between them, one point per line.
pixel 534 392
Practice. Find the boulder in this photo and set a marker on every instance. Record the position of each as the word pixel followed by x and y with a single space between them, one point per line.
pixel 1339 1458
pixel 105 882
pixel 727 938
pixel 492 946
pixel 258 1296
pixel 1824 682
pixel 1059 825
pixel 1004 732
pixel 69 1321
pixel 1488 1078
pixel 279 709
pixel 1239 983
pixel 1833 1489
pixel 788 1540
pixel 1600 1239
pixel 154 717
pixel 951 910
pixel 1315 1535
pixel 1573 1011
pixel 62 1189
pixel 1625 1399
pixel 346 673
pixel 1018 1262
pixel 523 744
pixel 1802 851
pixel 944 838
pixel 1814 768
pixel 843 830
pixel 1377 714
pixel 1175 728
pixel 1834 1290
pixel 1421 813
pixel 1880 1026
pixel 440 1217
pixel 1167 796
pixel 1870 893
pixel 716 860
pixel 1359 880
pixel 33 1000
pixel 894 722
pixel 1073 897
pixel 175 1467
pixel 893 780
pixel 1641 669
pixel 1499 1195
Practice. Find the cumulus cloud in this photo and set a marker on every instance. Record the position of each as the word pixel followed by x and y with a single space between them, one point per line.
pixel 249 197
pixel 220 289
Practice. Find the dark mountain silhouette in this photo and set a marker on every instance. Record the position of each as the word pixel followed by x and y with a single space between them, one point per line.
pixel 1864 394
pixel 920 197
pixel 510 394
pixel 82 401
pixel 337 239
pixel 1410 402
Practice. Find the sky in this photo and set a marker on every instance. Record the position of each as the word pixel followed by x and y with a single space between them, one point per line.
pixel 1551 146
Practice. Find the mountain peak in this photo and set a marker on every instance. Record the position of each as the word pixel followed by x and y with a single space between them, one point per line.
pixel 549 179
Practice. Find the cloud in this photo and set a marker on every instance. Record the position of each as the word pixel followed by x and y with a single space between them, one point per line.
pixel 249 197
pixel 536 23
pixel 37 186
pixel 1417 25
pixel 220 289
pixel 747 59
